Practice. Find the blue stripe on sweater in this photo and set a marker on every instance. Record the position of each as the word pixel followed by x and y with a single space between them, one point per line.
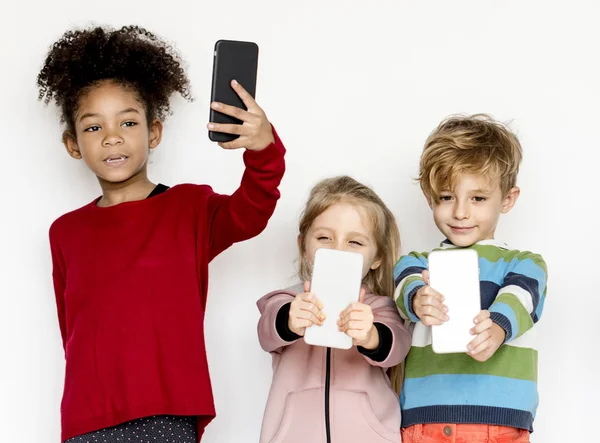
pixel 531 269
pixel 538 311
pixel 526 283
pixel 407 262
pixel 489 292
pixel 411 270
pixel 493 271
pixel 497 272
pixel 469 389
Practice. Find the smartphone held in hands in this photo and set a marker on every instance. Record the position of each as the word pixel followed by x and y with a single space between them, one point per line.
pixel 454 273
pixel 336 281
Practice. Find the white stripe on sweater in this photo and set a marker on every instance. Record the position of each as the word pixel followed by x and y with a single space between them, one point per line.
pixel 524 296
pixel 527 340
pixel 422 337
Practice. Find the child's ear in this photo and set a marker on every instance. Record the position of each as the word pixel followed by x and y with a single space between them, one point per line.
pixel 70 142
pixel 376 264
pixel 155 131
pixel 510 199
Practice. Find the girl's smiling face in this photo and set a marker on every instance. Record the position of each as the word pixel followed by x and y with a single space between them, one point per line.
pixel 345 227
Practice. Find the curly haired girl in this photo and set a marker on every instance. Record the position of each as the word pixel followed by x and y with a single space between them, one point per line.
pixel 130 268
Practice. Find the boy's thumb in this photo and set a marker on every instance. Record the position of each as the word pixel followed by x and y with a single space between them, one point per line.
pixel 425 275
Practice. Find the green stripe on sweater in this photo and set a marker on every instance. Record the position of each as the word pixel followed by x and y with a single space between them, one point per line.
pixel 400 300
pixel 508 361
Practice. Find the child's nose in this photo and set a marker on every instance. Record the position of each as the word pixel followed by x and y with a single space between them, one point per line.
pixel 461 211
pixel 338 244
pixel 112 140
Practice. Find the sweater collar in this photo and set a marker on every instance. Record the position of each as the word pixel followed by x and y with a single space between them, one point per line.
pixel 447 244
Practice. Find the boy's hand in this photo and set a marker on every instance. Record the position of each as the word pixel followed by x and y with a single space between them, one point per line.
pixel 305 311
pixel 428 306
pixel 255 133
pixel 489 337
pixel 356 321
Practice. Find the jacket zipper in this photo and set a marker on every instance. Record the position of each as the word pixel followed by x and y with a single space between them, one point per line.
pixel 327 387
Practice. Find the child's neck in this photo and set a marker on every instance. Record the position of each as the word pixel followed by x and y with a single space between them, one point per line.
pixel 136 188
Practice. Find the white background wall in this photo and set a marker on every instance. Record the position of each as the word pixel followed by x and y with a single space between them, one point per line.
pixel 352 88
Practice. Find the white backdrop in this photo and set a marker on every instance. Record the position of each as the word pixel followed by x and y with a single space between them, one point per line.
pixel 352 88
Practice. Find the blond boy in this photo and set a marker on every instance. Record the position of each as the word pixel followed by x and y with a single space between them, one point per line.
pixel 468 174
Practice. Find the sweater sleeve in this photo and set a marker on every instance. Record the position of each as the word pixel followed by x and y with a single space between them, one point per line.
pixel 245 213
pixel 385 313
pixel 381 352
pixel 58 278
pixel 270 306
pixel 408 279
pixel 281 324
pixel 520 300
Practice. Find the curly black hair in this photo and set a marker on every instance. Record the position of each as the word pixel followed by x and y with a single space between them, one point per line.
pixel 130 56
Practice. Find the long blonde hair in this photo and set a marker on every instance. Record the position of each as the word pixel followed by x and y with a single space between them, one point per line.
pixel 334 190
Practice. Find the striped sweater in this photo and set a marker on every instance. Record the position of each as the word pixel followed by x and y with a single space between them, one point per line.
pixel 455 388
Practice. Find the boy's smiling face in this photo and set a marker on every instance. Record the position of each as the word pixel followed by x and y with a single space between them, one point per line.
pixel 469 213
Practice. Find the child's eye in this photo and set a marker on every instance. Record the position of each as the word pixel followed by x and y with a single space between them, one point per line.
pixel 354 242
pixel 323 238
pixel 129 124
pixel 480 199
pixel 92 129
pixel 445 198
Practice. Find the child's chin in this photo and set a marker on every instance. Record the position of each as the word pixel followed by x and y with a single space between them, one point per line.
pixel 463 241
pixel 116 178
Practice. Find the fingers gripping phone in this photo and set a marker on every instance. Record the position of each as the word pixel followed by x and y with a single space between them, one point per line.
pixel 233 60
pixel 454 273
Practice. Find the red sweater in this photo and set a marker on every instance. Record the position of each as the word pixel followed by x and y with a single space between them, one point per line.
pixel 131 283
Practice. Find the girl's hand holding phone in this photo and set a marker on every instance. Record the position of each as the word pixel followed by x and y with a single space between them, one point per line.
pixel 356 321
pixel 255 132
pixel 305 311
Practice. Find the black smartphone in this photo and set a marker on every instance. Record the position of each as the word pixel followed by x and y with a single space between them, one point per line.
pixel 232 60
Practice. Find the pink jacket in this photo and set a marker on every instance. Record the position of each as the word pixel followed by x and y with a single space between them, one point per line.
pixel 309 380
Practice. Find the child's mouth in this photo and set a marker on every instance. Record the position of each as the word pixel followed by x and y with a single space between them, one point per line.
pixel 116 160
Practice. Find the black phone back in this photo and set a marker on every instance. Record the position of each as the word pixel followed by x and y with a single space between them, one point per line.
pixel 232 60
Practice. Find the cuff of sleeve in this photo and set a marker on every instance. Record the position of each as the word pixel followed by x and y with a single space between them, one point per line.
pixel 381 352
pixel 281 324
pixel 502 321
pixel 273 152
pixel 409 305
